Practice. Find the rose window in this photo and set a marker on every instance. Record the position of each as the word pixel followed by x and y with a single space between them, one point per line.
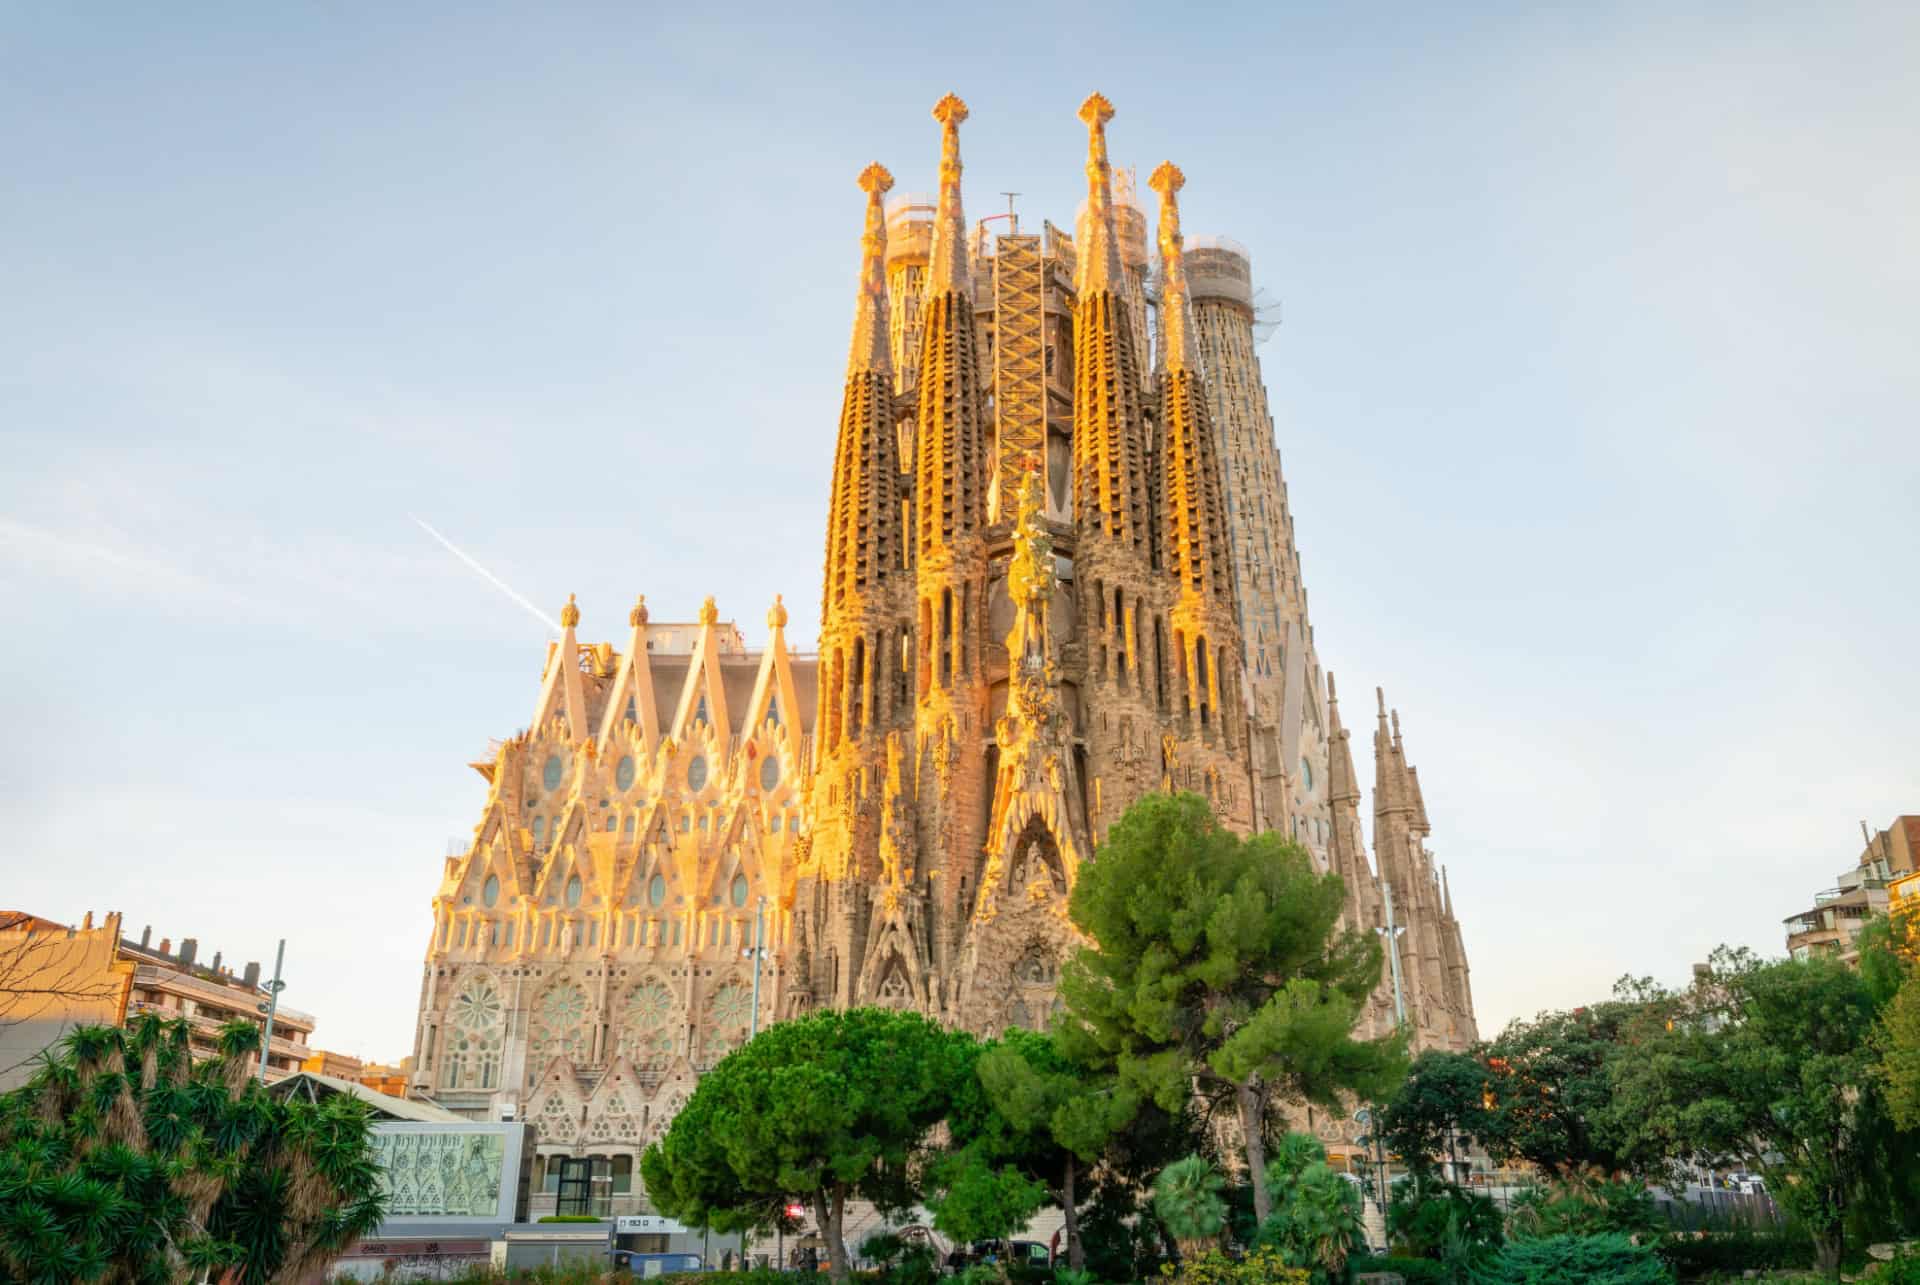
pixel 646 1031
pixel 560 1023
pixel 728 1013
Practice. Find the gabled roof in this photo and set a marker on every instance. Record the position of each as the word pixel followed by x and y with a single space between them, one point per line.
pixel 314 1086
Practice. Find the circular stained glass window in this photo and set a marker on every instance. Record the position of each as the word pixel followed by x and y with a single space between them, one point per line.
pixel 739 890
pixel 490 890
pixel 656 890
pixel 697 773
pixel 550 774
pixel 769 771
pixel 573 890
pixel 623 774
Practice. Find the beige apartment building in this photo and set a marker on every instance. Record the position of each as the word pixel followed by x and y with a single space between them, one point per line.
pixel 54 977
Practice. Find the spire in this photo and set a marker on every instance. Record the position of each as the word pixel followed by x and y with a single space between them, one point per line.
pixel 1193 513
pixel 864 537
pixel 1100 252
pixel 569 614
pixel 1109 433
pixel 950 451
pixel 1176 317
pixel 947 269
pixel 870 340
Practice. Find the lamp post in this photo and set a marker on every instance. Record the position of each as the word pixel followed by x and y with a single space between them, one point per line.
pixel 757 952
pixel 272 1006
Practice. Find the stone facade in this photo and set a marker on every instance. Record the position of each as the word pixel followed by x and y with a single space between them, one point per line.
pixel 1039 549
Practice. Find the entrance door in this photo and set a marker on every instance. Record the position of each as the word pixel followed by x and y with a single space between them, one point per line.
pixel 575 1185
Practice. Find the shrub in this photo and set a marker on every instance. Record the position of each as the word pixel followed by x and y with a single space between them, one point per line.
pixel 1262 1267
pixel 1608 1259
pixel 1415 1271
pixel 1735 1250
pixel 1903 1270
pixel 570 1218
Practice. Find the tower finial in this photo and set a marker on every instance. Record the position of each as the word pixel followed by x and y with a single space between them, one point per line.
pixel 638 616
pixel 869 352
pixel 569 614
pixel 947 269
pixel 777 614
pixel 709 614
pixel 1176 340
pixel 1100 257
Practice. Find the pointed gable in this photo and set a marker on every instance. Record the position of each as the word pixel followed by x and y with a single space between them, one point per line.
pixel 704 697
pixel 631 698
pixel 562 693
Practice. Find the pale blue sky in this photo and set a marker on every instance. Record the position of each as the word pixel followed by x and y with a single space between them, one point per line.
pixel 1595 391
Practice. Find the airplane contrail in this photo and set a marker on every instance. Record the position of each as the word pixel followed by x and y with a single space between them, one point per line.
pixel 496 581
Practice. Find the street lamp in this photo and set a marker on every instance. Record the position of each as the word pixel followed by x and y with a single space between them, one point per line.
pixel 272 1006
pixel 757 952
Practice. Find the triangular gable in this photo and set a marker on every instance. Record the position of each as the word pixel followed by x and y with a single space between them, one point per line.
pixel 773 686
pixel 617 1108
pixel 704 693
pixel 561 689
pixel 555 1106
pixel 632 695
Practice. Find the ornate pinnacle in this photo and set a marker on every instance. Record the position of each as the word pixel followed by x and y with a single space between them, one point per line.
pixel 709 614
pixel 638 616
pixel 569 614
pixel 947 268
pixel 1100 257
pixel 869 350
pixel 777 614
pixel 1167 180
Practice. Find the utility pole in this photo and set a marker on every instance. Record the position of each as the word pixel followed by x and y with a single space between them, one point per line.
pixel 272 1006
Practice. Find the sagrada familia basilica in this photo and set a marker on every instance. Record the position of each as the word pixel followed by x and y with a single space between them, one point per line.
pixel 1060 573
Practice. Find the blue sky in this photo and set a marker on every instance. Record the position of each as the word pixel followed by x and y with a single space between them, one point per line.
pixel 1595 392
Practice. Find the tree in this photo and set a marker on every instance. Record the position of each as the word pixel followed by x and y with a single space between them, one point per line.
pixel 820 1109
pixel 1443 1096
pixel 1044 1117
pixel 1186 1197
pixel 1217 959
pixel 1610 1259
pixel 1316 1222
pixel 123 1160
pixel 1773 1065
pixel 1552 1103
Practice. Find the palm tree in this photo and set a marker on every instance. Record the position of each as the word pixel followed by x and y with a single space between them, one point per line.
pixel 122 1160
pixel 1187 1198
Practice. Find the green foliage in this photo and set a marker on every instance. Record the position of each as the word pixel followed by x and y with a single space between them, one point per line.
pixel 1262 1267
pixel 1316 1220
pixel 569 1218
pixel 122 1159
pixel 976 1199
pixel 1610 1259
pixel 1438 1220
pixel 883 1247
pixel 1186 1197
pixel 1774 1066
pixel 1415 1271
pixel 1443 1096
pixel 1551 1099
pixel 1217 958
pixel 1903 1270
pixel 1735 1250
pixel 820 1109
pixel 1581 1206
pixel 1897 1041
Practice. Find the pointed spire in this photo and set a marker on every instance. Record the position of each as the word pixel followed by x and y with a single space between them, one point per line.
pixel 1193 508
pixel 947 269
pixel 1100 254
pixel 869 353
pixel 951 432
pixel 1176 317
pixel 1110 449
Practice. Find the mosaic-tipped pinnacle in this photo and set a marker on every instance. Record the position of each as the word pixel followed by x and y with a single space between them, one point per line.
pixel 1096 111
pixel 1167 178
pixel 876 178
pixel 950 110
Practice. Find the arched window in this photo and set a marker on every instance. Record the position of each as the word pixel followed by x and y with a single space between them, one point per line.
pixel 623 774
pixel 573 890
pixel 490 891
pixel 656 890
pixel 739 890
